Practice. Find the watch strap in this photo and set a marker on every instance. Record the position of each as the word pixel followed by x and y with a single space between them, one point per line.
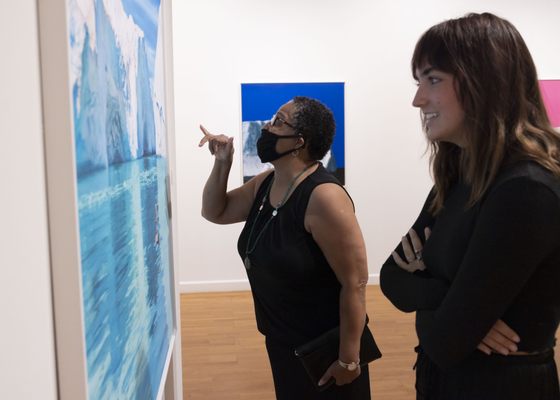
pixel 349 366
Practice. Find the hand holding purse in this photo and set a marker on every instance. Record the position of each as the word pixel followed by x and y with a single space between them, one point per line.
pixel 318 354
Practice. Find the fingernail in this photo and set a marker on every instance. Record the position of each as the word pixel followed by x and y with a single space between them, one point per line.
pixel 513 348
pixel 321 382
pixel 516 339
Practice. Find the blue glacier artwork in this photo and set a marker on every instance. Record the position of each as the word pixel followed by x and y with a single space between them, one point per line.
pixel 259 101
pixel 116 75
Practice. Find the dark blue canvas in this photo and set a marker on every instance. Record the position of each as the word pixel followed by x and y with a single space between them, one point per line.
pixel 259 101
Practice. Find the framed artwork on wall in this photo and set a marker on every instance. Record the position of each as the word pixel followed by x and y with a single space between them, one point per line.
pixel 259 102
pixel 107 111
pixel 550 90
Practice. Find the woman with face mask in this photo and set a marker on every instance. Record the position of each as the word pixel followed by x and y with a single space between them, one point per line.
pixel 301 246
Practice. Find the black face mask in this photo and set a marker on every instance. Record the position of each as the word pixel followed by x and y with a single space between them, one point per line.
pixel 266 146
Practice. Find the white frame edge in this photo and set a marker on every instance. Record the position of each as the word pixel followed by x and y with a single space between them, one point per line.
pixel 173 387
pixel 61 191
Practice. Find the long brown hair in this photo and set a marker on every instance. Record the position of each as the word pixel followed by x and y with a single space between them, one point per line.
pixel 496 81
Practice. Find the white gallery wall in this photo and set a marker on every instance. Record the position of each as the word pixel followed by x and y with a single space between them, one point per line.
pixel 27 364
pixel 219 44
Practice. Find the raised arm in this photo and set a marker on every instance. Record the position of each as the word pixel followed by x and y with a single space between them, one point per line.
pixel 219 205
pixel 517 228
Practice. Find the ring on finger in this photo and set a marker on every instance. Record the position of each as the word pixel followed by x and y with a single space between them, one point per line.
pixel 418 254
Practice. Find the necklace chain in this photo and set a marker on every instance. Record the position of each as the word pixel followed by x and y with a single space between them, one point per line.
pixel 249 249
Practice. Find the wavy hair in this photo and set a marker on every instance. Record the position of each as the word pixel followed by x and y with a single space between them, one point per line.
pixel 496 82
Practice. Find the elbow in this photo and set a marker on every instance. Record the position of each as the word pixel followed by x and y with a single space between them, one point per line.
pixel 384 278
pixel 362 279
pixel 209 217
pixel 214 212
pixel 205 215
pixel 392 291
pixel 401 306
pixel 355 285
pixel 215 218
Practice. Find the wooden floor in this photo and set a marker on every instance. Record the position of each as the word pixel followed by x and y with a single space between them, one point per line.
pixel 224 356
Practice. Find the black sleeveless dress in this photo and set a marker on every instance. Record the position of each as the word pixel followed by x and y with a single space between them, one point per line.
pixel 295 291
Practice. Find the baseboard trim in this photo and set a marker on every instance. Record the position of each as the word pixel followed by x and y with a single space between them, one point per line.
pixel 214 286
pixel 234 285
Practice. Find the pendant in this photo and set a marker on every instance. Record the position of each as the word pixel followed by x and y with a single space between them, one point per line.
pixel 274 213
pixel 247 263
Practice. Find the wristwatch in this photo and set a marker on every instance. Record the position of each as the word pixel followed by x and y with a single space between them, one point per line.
pixel 349 366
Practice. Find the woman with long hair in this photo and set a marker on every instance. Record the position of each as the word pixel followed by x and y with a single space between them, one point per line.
pixel 481 264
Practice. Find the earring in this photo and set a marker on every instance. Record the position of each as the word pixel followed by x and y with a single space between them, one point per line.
pixel 295 153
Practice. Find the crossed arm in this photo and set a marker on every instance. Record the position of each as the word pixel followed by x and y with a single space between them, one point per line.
pixel 412 291
pixel 517 228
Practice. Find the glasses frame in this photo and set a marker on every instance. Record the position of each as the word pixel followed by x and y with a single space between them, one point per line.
pixel 275 118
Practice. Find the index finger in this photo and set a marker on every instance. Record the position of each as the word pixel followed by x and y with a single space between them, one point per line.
pixel 205 131
pixel 207 136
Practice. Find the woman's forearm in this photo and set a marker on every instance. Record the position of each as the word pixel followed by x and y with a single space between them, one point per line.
pixel 352 320
pixel 214 196
pixel 411 292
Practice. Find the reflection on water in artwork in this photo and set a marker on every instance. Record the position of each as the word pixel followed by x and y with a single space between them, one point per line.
pixel 124 238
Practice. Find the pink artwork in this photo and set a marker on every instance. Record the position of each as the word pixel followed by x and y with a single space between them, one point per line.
pixel 550 90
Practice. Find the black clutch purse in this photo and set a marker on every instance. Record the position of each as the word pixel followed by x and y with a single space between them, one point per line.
pixel 318 354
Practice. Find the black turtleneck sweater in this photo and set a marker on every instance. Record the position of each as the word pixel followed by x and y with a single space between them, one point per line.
pixel 499 259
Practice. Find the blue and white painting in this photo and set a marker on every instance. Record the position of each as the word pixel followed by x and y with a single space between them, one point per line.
pixel 259 102
pixel 117 81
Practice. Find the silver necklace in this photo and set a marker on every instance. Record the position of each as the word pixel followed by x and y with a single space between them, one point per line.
pixel 249 249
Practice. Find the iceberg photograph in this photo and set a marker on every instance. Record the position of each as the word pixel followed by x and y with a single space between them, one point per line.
pixel 117 80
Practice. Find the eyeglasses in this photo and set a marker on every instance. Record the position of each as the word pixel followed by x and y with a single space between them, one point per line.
pixel 279 121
